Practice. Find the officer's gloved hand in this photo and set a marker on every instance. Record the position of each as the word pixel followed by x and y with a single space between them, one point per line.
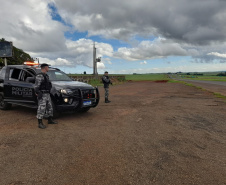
pixel 39 95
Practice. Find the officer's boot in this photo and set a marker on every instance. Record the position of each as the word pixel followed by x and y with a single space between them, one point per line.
pixel 107 101
pixel 40 124
pixel 50 120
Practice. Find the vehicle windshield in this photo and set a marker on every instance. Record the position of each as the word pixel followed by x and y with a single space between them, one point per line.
pixel 58 76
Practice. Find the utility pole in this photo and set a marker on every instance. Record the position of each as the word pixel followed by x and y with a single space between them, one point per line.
pixel 94 59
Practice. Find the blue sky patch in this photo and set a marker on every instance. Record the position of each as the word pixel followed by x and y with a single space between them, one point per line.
pixel 54 13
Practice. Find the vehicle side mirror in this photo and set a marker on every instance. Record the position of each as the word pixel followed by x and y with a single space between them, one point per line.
pixel 30 79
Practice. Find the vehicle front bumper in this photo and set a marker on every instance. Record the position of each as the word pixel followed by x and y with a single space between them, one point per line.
pixel 77 102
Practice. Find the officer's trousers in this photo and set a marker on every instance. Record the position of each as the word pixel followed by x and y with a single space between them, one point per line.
pixel 106 92
pixel 44 106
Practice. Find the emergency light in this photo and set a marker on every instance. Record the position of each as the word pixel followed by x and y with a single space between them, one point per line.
pixel 30 63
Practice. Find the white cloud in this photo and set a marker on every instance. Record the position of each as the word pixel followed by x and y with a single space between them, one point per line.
pixel 107 60
pixel 78 52
pixel 173 69
pixel 181 28
pixel 100 65
pixel 144 62
pixel 184 20
pixel 55 63
pixel 158 48
pixel 29 25
pixel 217 54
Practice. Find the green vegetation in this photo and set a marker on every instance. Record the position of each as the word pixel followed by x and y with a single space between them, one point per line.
pixel 192 85
pixel 211 76
pixel 146 77
pixel 222 74
pixel 79 74
pixel 120 79
pixel 116 81
pixel 218 95
pixel 95 82
pixel 188 84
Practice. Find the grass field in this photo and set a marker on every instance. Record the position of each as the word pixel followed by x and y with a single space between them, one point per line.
pixel 145 77
pixel 134 77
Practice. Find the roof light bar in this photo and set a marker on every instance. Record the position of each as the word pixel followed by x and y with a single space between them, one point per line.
pixel 30 63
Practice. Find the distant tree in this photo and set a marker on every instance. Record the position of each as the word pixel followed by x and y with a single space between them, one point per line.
pixel 221 74
pixel 198 74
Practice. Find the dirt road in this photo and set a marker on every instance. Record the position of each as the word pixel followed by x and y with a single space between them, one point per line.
pixel 151 133
pixel 212 86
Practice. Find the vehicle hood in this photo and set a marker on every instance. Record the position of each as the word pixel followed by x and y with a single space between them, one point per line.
pixel 71 85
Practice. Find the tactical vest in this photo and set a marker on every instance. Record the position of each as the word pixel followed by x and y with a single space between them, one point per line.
pixel 106 84
pixel 46 84
pixel 104 81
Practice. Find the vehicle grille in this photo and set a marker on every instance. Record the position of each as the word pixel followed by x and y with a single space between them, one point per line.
pixel 75 93
pixel 87 94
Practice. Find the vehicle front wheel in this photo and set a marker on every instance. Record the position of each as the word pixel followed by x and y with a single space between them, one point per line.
pixel 3 105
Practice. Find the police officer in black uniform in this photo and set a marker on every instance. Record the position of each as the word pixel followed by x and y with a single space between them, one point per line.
pixel 42 90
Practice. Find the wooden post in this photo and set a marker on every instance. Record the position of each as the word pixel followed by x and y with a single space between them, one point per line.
pixel 5 60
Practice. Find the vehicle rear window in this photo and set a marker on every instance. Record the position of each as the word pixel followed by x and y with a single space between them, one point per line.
pixel 14 74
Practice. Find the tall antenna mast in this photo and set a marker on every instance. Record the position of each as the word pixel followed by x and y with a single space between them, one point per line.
pixel 94 59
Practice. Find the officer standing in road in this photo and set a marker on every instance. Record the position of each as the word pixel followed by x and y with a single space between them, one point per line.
pixel 42 90
pixel 106 81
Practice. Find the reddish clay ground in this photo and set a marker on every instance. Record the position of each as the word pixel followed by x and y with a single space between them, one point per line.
pixel 151 133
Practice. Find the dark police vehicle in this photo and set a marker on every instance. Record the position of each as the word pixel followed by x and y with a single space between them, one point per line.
pixel 17 87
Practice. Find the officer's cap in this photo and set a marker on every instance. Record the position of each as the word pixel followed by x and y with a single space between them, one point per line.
pixel 44 65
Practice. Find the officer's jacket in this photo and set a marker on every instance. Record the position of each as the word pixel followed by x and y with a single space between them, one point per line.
pixel 42 83
pixel 106 81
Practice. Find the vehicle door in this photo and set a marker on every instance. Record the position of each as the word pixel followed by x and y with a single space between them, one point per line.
pixel 18 89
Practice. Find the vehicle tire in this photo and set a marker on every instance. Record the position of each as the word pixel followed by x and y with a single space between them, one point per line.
pixel 83 110
pixel 3 105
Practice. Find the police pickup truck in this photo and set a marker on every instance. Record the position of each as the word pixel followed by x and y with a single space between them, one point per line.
pixel 17 87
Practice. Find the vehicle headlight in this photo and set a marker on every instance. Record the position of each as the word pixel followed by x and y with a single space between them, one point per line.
pixel 66 91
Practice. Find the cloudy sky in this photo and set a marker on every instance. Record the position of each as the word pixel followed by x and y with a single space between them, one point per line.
pixel 131 36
